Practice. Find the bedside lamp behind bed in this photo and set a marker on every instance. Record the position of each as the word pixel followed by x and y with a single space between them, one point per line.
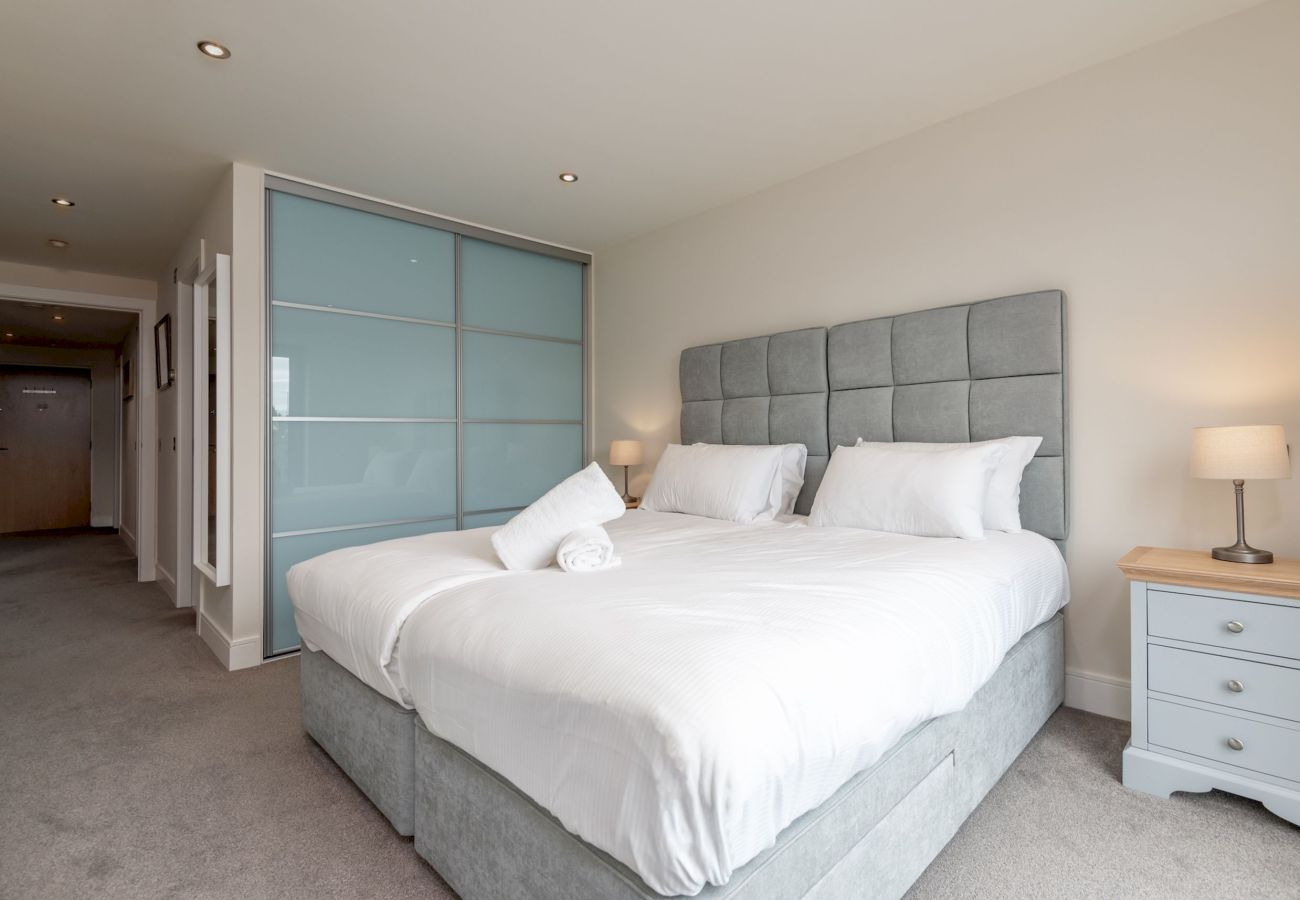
pixel 625 454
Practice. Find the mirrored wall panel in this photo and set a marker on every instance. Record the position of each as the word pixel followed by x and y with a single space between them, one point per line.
pixel 212 422
pixel 424 376
pixel 483 520
pixel 510 466
pixel 328 474
pixel 512 290
pixel 330 364
pixel 324 254
pixel 521 378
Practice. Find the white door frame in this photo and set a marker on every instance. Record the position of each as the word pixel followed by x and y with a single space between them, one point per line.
pixel 145 392
pixel 187 591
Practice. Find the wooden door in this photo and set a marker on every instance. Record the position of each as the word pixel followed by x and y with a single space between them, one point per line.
pixel 44 448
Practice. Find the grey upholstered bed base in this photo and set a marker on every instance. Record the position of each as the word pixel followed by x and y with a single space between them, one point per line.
pixel 872 839
pixel 959 373
pixel 370 737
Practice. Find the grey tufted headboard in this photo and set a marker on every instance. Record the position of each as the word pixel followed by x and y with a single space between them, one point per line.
pixel 763 390
pixel 956 373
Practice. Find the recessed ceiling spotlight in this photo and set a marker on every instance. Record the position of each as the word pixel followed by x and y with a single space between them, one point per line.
pixel 57 317
pixel 214 50
pixel 56 242
pixel 9 334
pixel 62 201
pixel 568 177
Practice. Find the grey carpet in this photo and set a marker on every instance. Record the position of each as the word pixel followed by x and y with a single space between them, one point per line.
pixel 1061 825
pixel 132 765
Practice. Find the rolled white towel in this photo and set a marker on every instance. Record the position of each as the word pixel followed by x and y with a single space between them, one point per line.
pixel 530 539
pixel 587 549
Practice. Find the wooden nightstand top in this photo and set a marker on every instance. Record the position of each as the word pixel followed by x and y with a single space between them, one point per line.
pixel 1196 568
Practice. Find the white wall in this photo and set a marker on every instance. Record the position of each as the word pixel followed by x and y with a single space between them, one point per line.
pixel 248 422
pixel 46 278
pixel 210 233
pixel 230 617
pixel 103 417
pixel 129 521
pixel 1159 190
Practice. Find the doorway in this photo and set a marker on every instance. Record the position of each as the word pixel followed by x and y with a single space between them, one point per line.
pixel 48 329
pixel 45 448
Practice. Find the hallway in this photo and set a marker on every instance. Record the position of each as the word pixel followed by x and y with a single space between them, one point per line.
pixel 133 765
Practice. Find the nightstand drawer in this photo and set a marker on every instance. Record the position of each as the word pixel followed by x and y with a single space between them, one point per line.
pixel 1239 683
pixel 1222 622
pixel 1270 749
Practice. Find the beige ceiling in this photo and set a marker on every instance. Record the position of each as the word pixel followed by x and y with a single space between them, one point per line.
pixel 33 324
pixel 470 109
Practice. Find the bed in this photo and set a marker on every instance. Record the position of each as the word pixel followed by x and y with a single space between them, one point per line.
pixel 869 827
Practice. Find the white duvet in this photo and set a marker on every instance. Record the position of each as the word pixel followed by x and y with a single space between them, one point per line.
pixel 679 711
pixel 352 603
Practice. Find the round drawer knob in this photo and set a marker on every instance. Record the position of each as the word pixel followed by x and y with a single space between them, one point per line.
pixel 1236 627
pixel 1236 686
pixel 1236 744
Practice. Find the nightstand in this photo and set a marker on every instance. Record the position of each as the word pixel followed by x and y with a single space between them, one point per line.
pixel 1216 677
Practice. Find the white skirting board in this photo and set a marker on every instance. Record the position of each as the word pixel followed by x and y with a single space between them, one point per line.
pixel 128 537
pixel 166 581
pixel 241 654
pixel 1100 694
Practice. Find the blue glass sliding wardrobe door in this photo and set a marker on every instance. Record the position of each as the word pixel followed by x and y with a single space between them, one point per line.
pixel 522 377
pixel 421 379
pixel 363 385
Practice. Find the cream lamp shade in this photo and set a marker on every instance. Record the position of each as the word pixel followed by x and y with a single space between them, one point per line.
pixel 625 453
pixel 1240 452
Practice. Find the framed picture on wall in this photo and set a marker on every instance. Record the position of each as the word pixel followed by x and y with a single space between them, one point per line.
pixel 162 353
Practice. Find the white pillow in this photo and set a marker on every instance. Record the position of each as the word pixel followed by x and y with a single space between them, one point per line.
pixel 1002 506
pixel 794 459
pixel 785 488
pixel 736 483
pixel 928 493
pixel 788 483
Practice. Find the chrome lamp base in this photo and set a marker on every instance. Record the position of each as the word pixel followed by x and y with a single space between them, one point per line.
pixel 1241 552
pixel 628 498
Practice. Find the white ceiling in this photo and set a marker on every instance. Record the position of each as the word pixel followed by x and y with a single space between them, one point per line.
pixel 471 109
pixel 33 324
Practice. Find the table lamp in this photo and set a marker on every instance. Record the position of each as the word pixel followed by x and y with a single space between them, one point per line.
pixel 625 453
pixel 1240 452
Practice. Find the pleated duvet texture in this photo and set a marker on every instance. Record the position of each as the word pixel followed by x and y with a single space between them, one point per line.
pixel 680 710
